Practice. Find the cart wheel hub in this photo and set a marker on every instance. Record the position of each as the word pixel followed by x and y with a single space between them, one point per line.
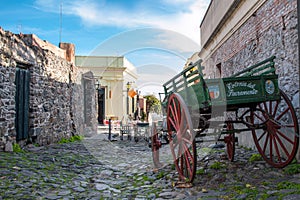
pixel 272 126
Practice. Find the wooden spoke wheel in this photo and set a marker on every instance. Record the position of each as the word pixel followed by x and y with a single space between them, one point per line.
pixel 155 145
pixel 230 142
pixel 278 140
pixel 181 138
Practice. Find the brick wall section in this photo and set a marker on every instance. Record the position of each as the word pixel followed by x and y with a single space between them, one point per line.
pixel 56 92
pixel 271 31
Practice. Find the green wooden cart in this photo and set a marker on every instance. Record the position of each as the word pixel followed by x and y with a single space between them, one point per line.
pixel 247 101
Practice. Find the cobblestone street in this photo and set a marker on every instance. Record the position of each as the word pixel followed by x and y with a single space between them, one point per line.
pixel 99 169
pixel 150 100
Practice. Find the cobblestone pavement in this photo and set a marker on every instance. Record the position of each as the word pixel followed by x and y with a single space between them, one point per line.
pixel 100 169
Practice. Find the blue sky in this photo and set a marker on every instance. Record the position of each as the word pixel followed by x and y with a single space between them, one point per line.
pixel 148 33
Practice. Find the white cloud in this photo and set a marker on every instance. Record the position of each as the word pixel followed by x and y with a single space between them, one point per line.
pixel 172 31
pixel 88 12
pixel 148 39
pixel 93 12
pixel 154 75
pixel 179 42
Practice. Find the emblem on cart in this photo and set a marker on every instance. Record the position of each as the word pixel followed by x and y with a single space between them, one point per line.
pixel 214 91
pixel 270 87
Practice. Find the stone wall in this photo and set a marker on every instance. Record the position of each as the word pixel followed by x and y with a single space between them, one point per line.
pixel 271 30
pixel 55 95
pixel 7 102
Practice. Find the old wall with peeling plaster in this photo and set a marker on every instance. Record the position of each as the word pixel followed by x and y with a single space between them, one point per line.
pixel 56 95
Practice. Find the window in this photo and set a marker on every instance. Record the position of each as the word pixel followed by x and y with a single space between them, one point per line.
pixel 219 70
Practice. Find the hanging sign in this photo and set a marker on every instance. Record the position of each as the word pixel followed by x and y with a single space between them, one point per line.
pixel 132 93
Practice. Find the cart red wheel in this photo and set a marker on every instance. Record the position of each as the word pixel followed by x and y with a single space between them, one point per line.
pixel 230 142
pixel 278 140
pixel 181 137
pixel 155 145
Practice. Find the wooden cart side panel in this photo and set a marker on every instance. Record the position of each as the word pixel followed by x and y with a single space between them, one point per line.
pixel 252 89
pixel 242 90
pixel 190 85
pixel 265 67
pixel 196 96
pixel 257 83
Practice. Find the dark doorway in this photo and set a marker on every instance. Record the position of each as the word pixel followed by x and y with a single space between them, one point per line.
pixel 101 105
pixel 22 103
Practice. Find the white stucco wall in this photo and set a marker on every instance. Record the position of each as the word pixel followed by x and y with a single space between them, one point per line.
pixel 113 74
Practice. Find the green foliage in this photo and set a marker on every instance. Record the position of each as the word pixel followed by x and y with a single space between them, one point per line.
pixel 173 167
pixel 17 148
pixel 217 165
pixel 146 178
pixel 152 100
pixel 153 103
pixel 255 157
pixel 247 189
pixel 251 192
pixel 160 175
pixel 246 148
pixel 200 171
pixel 265 183
pixel 265 196
pixel 205 150
pixel 292 169
pixel 71 139
pixel 63 140
pixel 76 138
pixel 143 116
pixel 288 185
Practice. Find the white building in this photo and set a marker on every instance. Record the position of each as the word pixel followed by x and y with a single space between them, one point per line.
pixel 115 75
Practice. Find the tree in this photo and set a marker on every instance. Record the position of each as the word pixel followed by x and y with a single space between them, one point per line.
pixel 153 104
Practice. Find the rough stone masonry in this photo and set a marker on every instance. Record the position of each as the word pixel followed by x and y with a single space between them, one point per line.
pixel 56 107
pixel 272 30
